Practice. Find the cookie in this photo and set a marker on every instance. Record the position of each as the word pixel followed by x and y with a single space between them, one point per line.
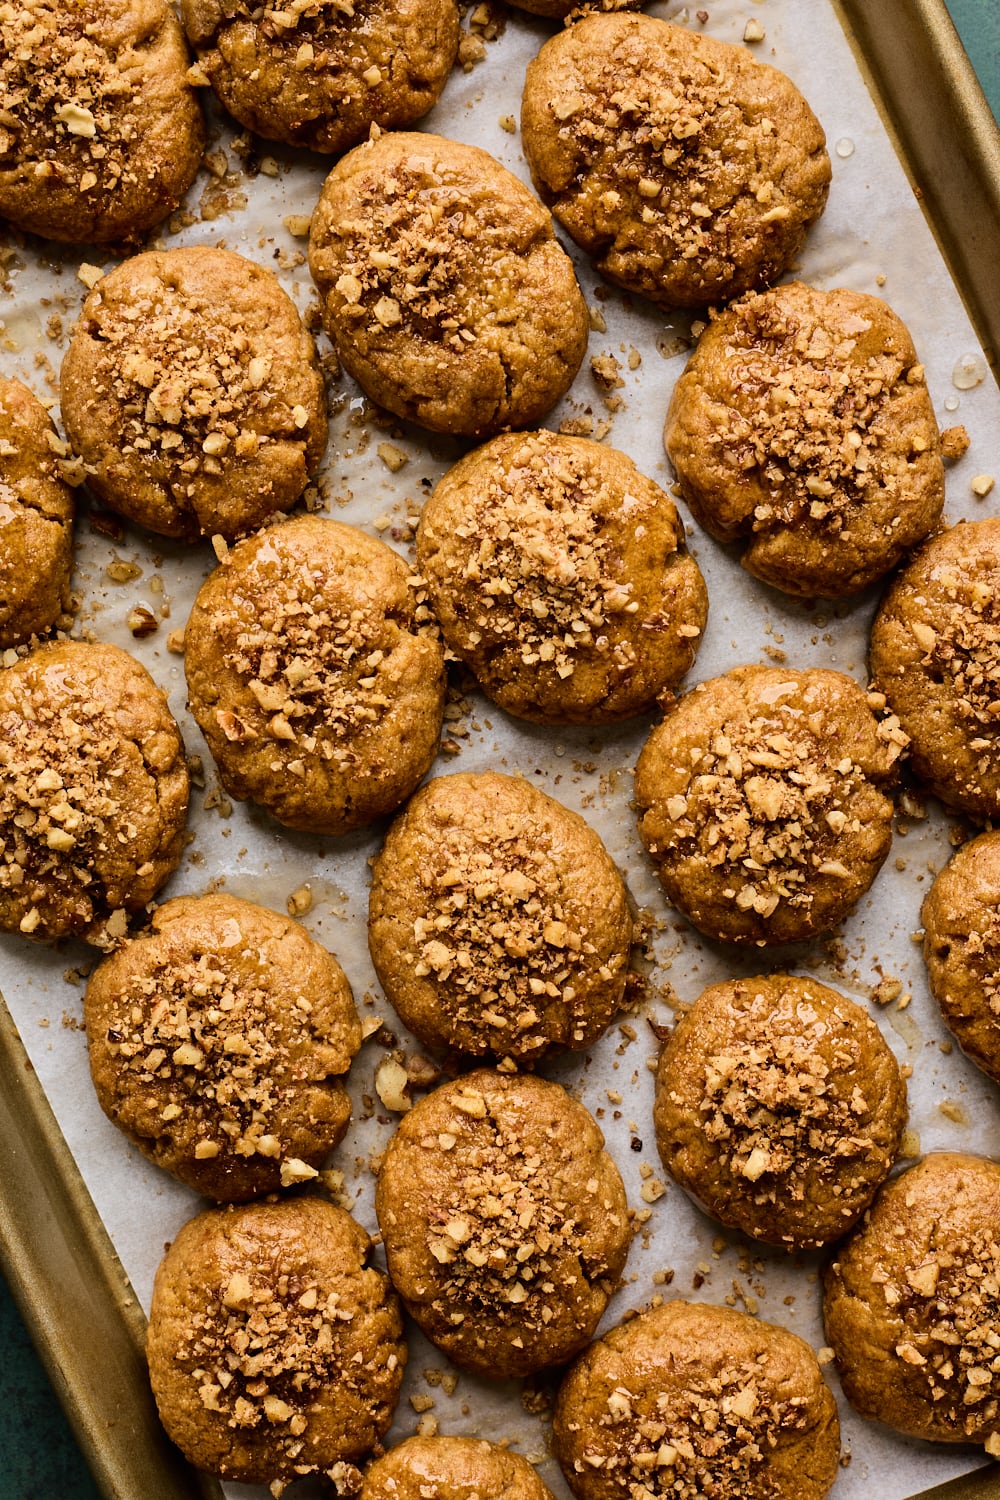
pixel 802 425
pixel 102 133
pixel 910 1303
pixel 274 1349
pixel 320 75
pixel 93 792
pixel 686 169
pixel 193 393
pixel 443 287
pixel 452 1468
pixel 935 654
pixel 218 1042
pixel 319 695
pixel 504 1221
pixel 779 1107
pixel 36 519
pixel 693 1400
pixel 761 802
pixel 961 921
pixel 498 922
pixel 561 577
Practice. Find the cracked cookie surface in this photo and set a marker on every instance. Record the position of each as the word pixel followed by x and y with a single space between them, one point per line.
pixel 689 171
pixel 803 426
pixel 504 1221
pixel 761 801
pixel 193 393
pixel 443 287
pixel 93 792
pixel 319 73
pixel 961 921
pixel 102 134
pixel 561 577
pixel 313 675
pixel 218 1040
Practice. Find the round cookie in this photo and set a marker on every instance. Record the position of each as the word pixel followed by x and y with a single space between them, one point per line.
pixel 93 792
pixel 504 1221
pixel 910 1303
pixel 320 696
pixel 689 171
pixel 498 923
pixel 779 1107
pixel 36 519
pixel 688 1399
pixel 218 1040
pixel 193 393
pixel 452 1468
pixel 102 133
pixel 935 654
pixel 561 577
pixel 274 1349
pixel 961 921
pixel 443 287
pixel 761 802
pixel 319 75
pixel 802 425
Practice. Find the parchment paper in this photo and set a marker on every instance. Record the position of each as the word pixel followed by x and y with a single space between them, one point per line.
pixel 872 238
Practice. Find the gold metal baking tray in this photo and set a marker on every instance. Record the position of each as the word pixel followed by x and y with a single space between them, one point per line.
pixel 59 1260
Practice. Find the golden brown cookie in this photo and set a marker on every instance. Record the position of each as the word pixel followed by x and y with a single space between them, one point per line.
pixel 911 1303
pixel 504 1221
pixel 452 1468
pixel 498 922
pixel 561 577
pixel 692 1400
pixel 319 695
pixel 689 171
pixel 101 133
pixel 802 425
pixel 935 654
pixel 193 393
pixel 443 287
pixel 761 802
pixel 779 1107
pixel 36 519
pixel 274 1349
pixel 218 1041
pixel 93 792
pixel 318 74
pixel 961 921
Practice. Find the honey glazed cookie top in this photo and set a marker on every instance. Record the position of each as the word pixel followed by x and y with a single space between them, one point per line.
pixel 762 801
pixel 275 1349
pixel 910 1303
pixel 935 654
pixel 802 425
pixel 688 170
pixel 101 133
pixel 319 73
pixel 691 1400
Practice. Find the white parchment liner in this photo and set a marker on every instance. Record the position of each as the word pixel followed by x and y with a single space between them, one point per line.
pixel 872 238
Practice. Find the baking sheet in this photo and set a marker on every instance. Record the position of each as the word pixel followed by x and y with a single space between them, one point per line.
pixel 873 238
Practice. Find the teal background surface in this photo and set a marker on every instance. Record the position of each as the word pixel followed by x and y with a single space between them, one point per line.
pixel 38 1456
